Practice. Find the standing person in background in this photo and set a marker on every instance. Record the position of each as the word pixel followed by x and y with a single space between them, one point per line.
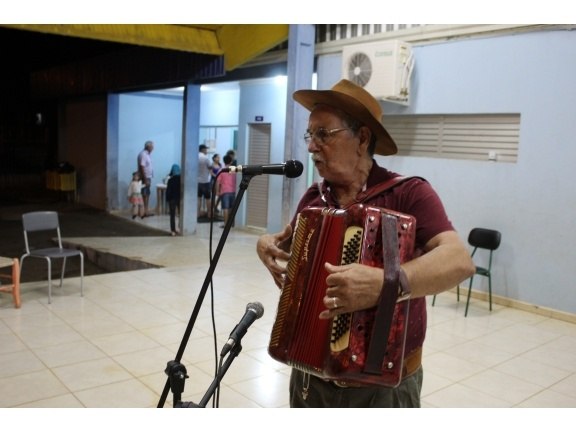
pixel 146 173
pixel 204 179
pixel 135 196
pixel 226 187
pixel 232 154
pixel 344 132
pixel 173 195
pixel 216 167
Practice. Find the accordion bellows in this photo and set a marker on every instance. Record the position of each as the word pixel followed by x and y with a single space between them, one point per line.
pixel 343 348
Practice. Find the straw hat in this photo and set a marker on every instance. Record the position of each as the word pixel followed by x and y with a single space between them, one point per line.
pixel 355 101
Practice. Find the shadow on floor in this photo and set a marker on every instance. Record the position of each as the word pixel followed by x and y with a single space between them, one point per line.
pixel 76 220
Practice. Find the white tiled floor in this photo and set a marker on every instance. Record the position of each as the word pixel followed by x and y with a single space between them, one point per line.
pixel 110 347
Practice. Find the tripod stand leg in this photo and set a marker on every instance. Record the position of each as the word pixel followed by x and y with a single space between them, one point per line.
pixel 177 375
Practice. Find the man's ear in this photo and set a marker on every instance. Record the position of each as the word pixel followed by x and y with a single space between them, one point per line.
pixel 364 135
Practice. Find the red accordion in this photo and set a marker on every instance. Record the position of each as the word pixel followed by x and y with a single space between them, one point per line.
pixel 364 347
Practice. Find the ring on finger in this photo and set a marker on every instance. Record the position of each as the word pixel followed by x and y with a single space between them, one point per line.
pixel 334 303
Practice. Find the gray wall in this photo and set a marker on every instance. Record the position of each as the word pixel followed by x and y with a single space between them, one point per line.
pixel 265 98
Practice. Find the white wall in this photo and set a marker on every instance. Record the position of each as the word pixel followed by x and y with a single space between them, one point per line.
pixel 532 202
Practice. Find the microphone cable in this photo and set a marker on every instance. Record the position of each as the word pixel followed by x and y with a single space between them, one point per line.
pixel 212 217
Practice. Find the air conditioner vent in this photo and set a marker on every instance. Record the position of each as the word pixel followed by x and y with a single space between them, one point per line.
pixel 359 69
pixel 382 68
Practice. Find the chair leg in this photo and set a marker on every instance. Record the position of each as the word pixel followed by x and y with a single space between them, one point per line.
pixel 468 299
pixel 457 295
pixel 21 266
pixel 14 286
pixel 63 271
pixel 490 291
pixel 82 275
pixel 16 283
pixel 49 280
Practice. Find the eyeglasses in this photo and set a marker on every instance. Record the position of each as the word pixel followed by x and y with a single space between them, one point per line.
pixel 321 135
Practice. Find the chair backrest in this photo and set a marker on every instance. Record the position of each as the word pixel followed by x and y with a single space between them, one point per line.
pixel 40 221
pixel 484 238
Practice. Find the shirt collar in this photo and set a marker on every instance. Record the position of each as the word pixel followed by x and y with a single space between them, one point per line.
pixel 326 193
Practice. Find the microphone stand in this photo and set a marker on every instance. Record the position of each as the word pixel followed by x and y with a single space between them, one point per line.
pixel 177 375
pixel 216 382
pixel 175 370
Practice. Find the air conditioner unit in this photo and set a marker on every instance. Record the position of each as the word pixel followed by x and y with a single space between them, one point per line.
pixel 382 68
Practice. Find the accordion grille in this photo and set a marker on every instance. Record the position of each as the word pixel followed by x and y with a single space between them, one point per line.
pixel 340 336
pixel 298 250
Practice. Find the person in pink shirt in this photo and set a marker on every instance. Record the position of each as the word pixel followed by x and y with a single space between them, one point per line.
pixel 226 189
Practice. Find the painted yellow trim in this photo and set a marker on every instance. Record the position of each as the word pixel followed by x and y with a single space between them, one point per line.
pixel 243 42
pixel 189 38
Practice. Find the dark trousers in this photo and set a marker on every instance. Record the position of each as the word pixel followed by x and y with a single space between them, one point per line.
pixel 325 394
pixel 172 206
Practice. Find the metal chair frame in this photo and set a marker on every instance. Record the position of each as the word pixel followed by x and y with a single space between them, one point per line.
pixel 48 221
pixel 480 238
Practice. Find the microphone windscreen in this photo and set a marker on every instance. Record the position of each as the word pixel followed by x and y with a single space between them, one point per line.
pixel 294 168
pixel 257 308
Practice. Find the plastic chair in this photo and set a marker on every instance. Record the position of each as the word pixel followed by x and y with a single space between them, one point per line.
pixel 480 238
pixel 14 286
pixel 48 221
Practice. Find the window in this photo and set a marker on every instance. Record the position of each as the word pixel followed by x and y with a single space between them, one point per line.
pixel 490 137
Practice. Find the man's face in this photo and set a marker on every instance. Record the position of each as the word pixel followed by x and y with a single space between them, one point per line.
pixel 337 155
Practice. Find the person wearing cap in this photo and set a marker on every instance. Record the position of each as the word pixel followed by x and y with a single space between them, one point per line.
pixel 344 132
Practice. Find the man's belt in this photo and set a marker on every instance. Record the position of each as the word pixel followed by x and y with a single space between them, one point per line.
pixel 412 363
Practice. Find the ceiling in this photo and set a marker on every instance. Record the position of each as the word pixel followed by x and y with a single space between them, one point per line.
pixel 57 57
pixel 238 43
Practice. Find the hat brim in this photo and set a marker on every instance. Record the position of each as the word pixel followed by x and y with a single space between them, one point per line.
pixel 385 145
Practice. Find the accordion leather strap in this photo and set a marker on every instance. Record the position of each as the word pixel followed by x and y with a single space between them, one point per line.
pixel 388 296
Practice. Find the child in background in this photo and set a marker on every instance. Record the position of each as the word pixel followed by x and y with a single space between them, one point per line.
pixel 226 189
pixel 135 196
pixel 173 197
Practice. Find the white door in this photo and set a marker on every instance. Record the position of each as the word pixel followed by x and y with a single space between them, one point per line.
pixel 257 192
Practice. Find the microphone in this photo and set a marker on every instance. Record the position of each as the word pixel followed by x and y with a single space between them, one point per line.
pixel 290 169
pixel 253 312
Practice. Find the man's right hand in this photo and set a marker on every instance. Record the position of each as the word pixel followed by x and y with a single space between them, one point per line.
pixel 272 248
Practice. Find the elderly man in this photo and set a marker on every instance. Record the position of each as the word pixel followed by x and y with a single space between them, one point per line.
pixel 344 132
pixel 146 173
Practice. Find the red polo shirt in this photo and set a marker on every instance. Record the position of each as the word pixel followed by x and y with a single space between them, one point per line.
pixel 414 197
